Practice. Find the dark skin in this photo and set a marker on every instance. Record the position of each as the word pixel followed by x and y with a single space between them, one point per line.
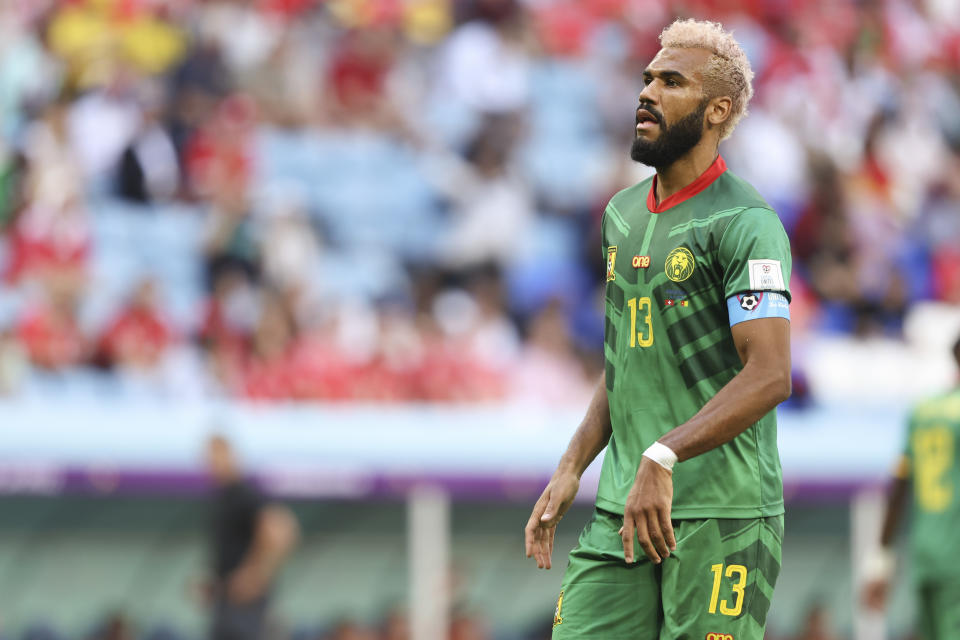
pixel 875 591
pixel 674 87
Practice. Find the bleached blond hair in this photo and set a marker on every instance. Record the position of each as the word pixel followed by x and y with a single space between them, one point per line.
pixel 727 72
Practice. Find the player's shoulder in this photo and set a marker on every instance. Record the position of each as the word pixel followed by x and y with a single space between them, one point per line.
pixel 943 406
pixel 634 194
pixel 734 191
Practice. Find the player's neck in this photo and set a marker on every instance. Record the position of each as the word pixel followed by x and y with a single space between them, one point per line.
pixel 685 170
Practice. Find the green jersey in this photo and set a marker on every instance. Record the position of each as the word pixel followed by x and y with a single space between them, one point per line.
pixel 931 462
pixel 671 269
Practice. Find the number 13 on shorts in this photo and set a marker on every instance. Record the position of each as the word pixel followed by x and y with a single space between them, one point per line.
pixel 738 574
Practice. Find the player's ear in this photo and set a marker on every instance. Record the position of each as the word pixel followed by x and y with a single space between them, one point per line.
pixel 718 110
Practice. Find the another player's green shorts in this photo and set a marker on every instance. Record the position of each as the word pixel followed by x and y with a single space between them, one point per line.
pixel 938 613
pixel 717 585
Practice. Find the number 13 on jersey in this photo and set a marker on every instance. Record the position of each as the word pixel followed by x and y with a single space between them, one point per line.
pixel 643 336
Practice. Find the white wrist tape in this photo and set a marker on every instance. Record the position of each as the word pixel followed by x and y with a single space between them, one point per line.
pixel 662 455
pixel 879 564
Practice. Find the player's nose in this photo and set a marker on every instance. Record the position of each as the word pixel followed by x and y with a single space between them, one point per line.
pixel 648 96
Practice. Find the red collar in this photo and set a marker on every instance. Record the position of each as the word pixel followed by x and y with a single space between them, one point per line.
pixel 705 180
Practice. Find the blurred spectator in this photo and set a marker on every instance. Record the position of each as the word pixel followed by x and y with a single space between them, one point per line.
pixel 816 625
pixel 148 169
pixel 395 626
pixel 341 150
pixel 138 336
pixel 52 233
pixel 468 626
pixel 493 207
pixel 231 236
pixel 289 246
pixel 548 370
pixel 271 368
pixel 218 153
pixel 116 627
pixel 49 328
pixel 350 630
pixel 357 79
pixel 13 362
pixel 484 64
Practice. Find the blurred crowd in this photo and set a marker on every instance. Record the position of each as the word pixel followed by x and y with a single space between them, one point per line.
pixel 399 200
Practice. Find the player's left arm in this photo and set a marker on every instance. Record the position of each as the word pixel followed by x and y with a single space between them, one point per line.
pixel 762 384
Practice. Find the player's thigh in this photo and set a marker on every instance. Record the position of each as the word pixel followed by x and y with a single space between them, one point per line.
pixel 939 611
pixel 603 598
pixel 719 582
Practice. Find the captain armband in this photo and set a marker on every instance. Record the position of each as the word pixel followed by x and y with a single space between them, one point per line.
pixel 757 304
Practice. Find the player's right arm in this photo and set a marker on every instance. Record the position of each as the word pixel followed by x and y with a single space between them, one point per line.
pixel 591 437
pixel 880 564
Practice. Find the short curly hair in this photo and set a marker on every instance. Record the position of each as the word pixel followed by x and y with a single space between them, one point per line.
pixel 728 71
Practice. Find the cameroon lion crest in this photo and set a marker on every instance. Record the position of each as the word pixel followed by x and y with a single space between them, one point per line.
pixel 680 264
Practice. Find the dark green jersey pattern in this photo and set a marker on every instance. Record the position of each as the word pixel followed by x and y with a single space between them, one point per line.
pixel 668 342
pixel 933 465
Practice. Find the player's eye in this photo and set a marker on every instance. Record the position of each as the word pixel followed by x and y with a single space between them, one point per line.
pixel 647 80
pixel 670 82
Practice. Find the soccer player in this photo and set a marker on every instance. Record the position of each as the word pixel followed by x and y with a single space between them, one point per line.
pixel 697 348
pixel 929 466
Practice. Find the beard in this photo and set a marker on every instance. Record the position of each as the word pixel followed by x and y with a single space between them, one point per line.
pixel 673 142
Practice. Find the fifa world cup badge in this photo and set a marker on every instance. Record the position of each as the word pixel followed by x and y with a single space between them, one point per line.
pixel 557 618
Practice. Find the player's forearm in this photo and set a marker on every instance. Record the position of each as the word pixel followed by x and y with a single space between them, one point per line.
pixel 591 436
pixel 895 502
pixel 749 396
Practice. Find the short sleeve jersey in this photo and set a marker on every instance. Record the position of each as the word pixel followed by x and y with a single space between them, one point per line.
pixel 932 463
pixel 668 344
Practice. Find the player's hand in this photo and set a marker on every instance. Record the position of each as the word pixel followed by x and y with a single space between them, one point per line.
pixel 245 585
pixel 547 512
pixel 646 516
pixel 875 593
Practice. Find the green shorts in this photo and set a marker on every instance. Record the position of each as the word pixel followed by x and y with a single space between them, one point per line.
pixel 717 585
pixel 937 611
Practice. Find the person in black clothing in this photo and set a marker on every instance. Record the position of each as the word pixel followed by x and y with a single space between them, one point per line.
pixel 251 539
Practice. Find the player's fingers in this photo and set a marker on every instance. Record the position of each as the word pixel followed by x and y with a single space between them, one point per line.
pixel 627 532
pixel 643 538
pixel 656 536
pixel 549 544
pixel 666 526
pixel 551 511
pixel 534 538
pixel 533 525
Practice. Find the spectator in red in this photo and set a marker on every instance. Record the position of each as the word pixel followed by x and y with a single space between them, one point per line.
pixel 52 232
pixel 138 336
pixel 50 330
pixel 219 156
pixel 271 372
pixel 357 79
pixel 229 316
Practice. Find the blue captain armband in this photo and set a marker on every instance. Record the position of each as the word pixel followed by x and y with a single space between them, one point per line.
pixel 757 304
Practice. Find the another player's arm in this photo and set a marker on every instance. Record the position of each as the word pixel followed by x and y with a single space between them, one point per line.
pixel 591 437
pixel 880 564
pixel 276 534
pixel 762 384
